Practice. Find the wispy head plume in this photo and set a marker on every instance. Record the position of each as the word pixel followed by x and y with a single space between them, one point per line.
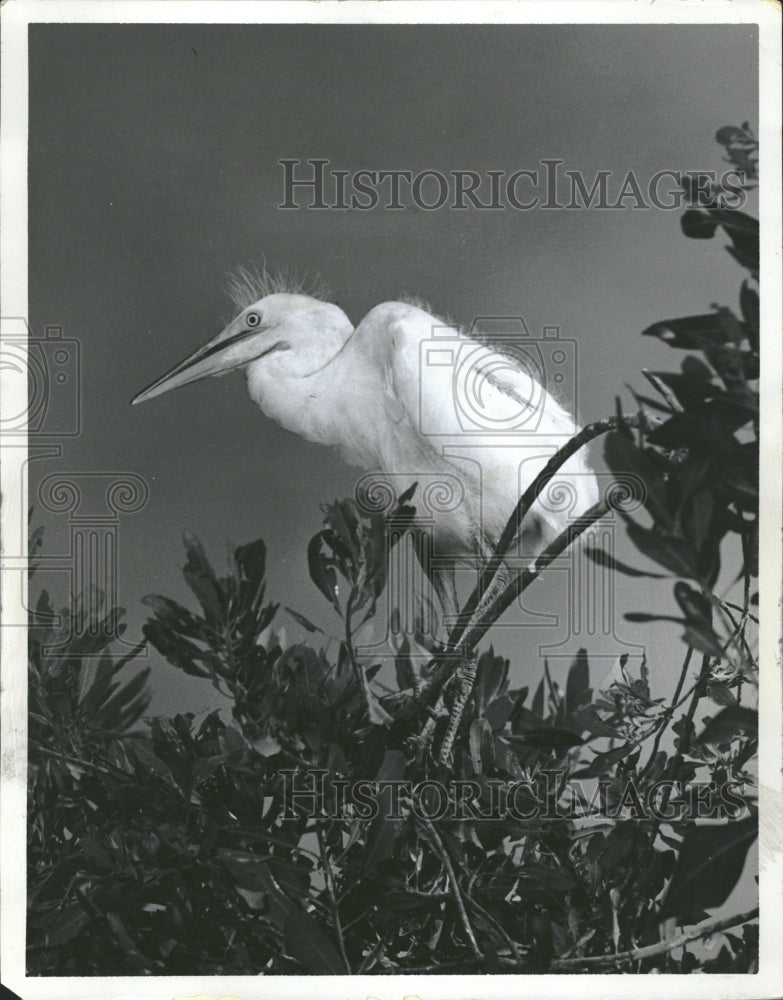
pixel 247 285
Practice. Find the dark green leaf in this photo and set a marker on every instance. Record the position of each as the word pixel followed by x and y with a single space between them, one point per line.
pixel 481 745
pixel 692 385
pixel 294 879
pixel 709 866
pixel 578 682
pixel 142 752
pixel 728 724
pixel 392 767
pixel 95 857
pixel 251 559
pixel 698 225
pixel 695 605
pixel 128 704
pixel 703 639
pixel 322 574
pixel 537 705
pixel 690 332
pixel 546 877
pixel 545 736
pixel 506 759
pixel 201 579
pixel 623 456
pixel 406 495
pixel 749 304
pixel 498 712
pixel 382 835
pixel 674 554
pixel 491 678
pixel 604 559
pixel 602 762
pixel 178 651
pixel 70 922
pixel 127 943
pixel 306 941
pixel 304 622
pixel 251 875
pixel 384 830
pixel 403 666
pixel 589 719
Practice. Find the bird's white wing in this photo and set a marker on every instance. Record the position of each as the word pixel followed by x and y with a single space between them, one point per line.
pixel 445 384
pixel 449 404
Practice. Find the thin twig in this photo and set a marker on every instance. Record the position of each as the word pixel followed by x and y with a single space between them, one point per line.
pixel 329 876
pixel 698 691
pixel 650 950
pixel 666 717
pixel 682 748
pixel 739 631
pixel 371 703
pixel 377 948
pixel 663 389
pixel 438 844
pixel 497 924
pixel 106 768
pixel 736 607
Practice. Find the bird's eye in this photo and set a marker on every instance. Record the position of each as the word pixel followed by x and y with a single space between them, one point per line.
pixel 252 319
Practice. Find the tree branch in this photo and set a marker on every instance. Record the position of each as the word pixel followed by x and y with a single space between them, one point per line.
pixel 329 877
pixel 667 715
pixel 650 950
pixel 441 850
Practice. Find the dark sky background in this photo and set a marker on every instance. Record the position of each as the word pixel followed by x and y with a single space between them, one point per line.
pixel 153 171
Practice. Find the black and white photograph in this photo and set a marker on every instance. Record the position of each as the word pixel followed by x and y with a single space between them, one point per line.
pixel 391 501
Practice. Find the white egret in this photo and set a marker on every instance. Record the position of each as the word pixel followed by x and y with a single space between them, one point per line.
pixel 395 395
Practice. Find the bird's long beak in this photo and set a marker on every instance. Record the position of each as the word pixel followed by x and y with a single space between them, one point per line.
pixel 214 358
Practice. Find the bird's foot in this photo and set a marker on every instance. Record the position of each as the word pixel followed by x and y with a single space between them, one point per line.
pixel 495 591
pixel 463 680
pixel 420 744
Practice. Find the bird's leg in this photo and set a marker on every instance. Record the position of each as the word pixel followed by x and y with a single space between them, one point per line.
pixel 531 540
pixel 498 584
pixel 422 742
pixel 464 676
pixel 495 590
pixel 463 679
pixel 445 585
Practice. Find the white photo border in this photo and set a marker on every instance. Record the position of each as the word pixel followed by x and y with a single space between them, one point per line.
pixel 16 16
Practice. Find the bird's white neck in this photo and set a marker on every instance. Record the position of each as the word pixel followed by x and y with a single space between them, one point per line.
pixel 293 387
